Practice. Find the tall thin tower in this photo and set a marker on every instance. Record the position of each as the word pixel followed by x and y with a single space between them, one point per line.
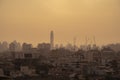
pixel 74 42
pixel 51 40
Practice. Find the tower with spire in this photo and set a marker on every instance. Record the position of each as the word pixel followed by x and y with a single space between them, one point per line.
pixel 52 40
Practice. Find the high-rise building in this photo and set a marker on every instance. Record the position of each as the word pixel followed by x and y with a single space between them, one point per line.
pixel 3 46
pixel 12 46
pixel 52 40
pixel 15 46
pixel 44 46
pixel 26 47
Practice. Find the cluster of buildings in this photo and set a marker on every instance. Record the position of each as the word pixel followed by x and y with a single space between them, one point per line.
pixel 17 47
pixel 45 61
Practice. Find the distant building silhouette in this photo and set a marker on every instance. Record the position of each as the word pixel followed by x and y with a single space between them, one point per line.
pixel 14 46
pixel 3 46
pixel 70 47
pixel 26 47
pixel 51 40
pixel 43 46
pixel 115 47
pixel 56 46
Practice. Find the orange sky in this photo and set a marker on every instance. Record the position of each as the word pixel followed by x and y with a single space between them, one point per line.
pixel 32 20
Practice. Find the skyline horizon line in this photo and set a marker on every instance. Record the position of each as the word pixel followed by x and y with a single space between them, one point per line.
pixel 87 41
pixel 34 44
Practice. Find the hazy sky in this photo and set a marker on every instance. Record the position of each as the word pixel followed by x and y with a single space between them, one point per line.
pixel 32 20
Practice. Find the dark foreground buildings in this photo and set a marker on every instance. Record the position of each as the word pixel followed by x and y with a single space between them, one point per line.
pixel 42 63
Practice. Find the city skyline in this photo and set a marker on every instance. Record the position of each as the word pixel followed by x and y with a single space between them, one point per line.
pixel 59 40
pixel 31 21
pixel 74 41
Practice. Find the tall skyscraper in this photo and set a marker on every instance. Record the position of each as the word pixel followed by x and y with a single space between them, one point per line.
pixel 51 40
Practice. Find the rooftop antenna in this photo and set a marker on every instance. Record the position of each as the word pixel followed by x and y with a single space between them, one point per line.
pixel 86 41
pixel 91 42
pixel 86 44
pixel 94 40
pixel 94 45
pixel 74 42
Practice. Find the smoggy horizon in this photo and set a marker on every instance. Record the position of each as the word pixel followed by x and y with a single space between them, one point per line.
pixel 32 20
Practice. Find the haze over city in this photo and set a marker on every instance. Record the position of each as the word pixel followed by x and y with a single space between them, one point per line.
pixel 32 20
pixel 59 39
